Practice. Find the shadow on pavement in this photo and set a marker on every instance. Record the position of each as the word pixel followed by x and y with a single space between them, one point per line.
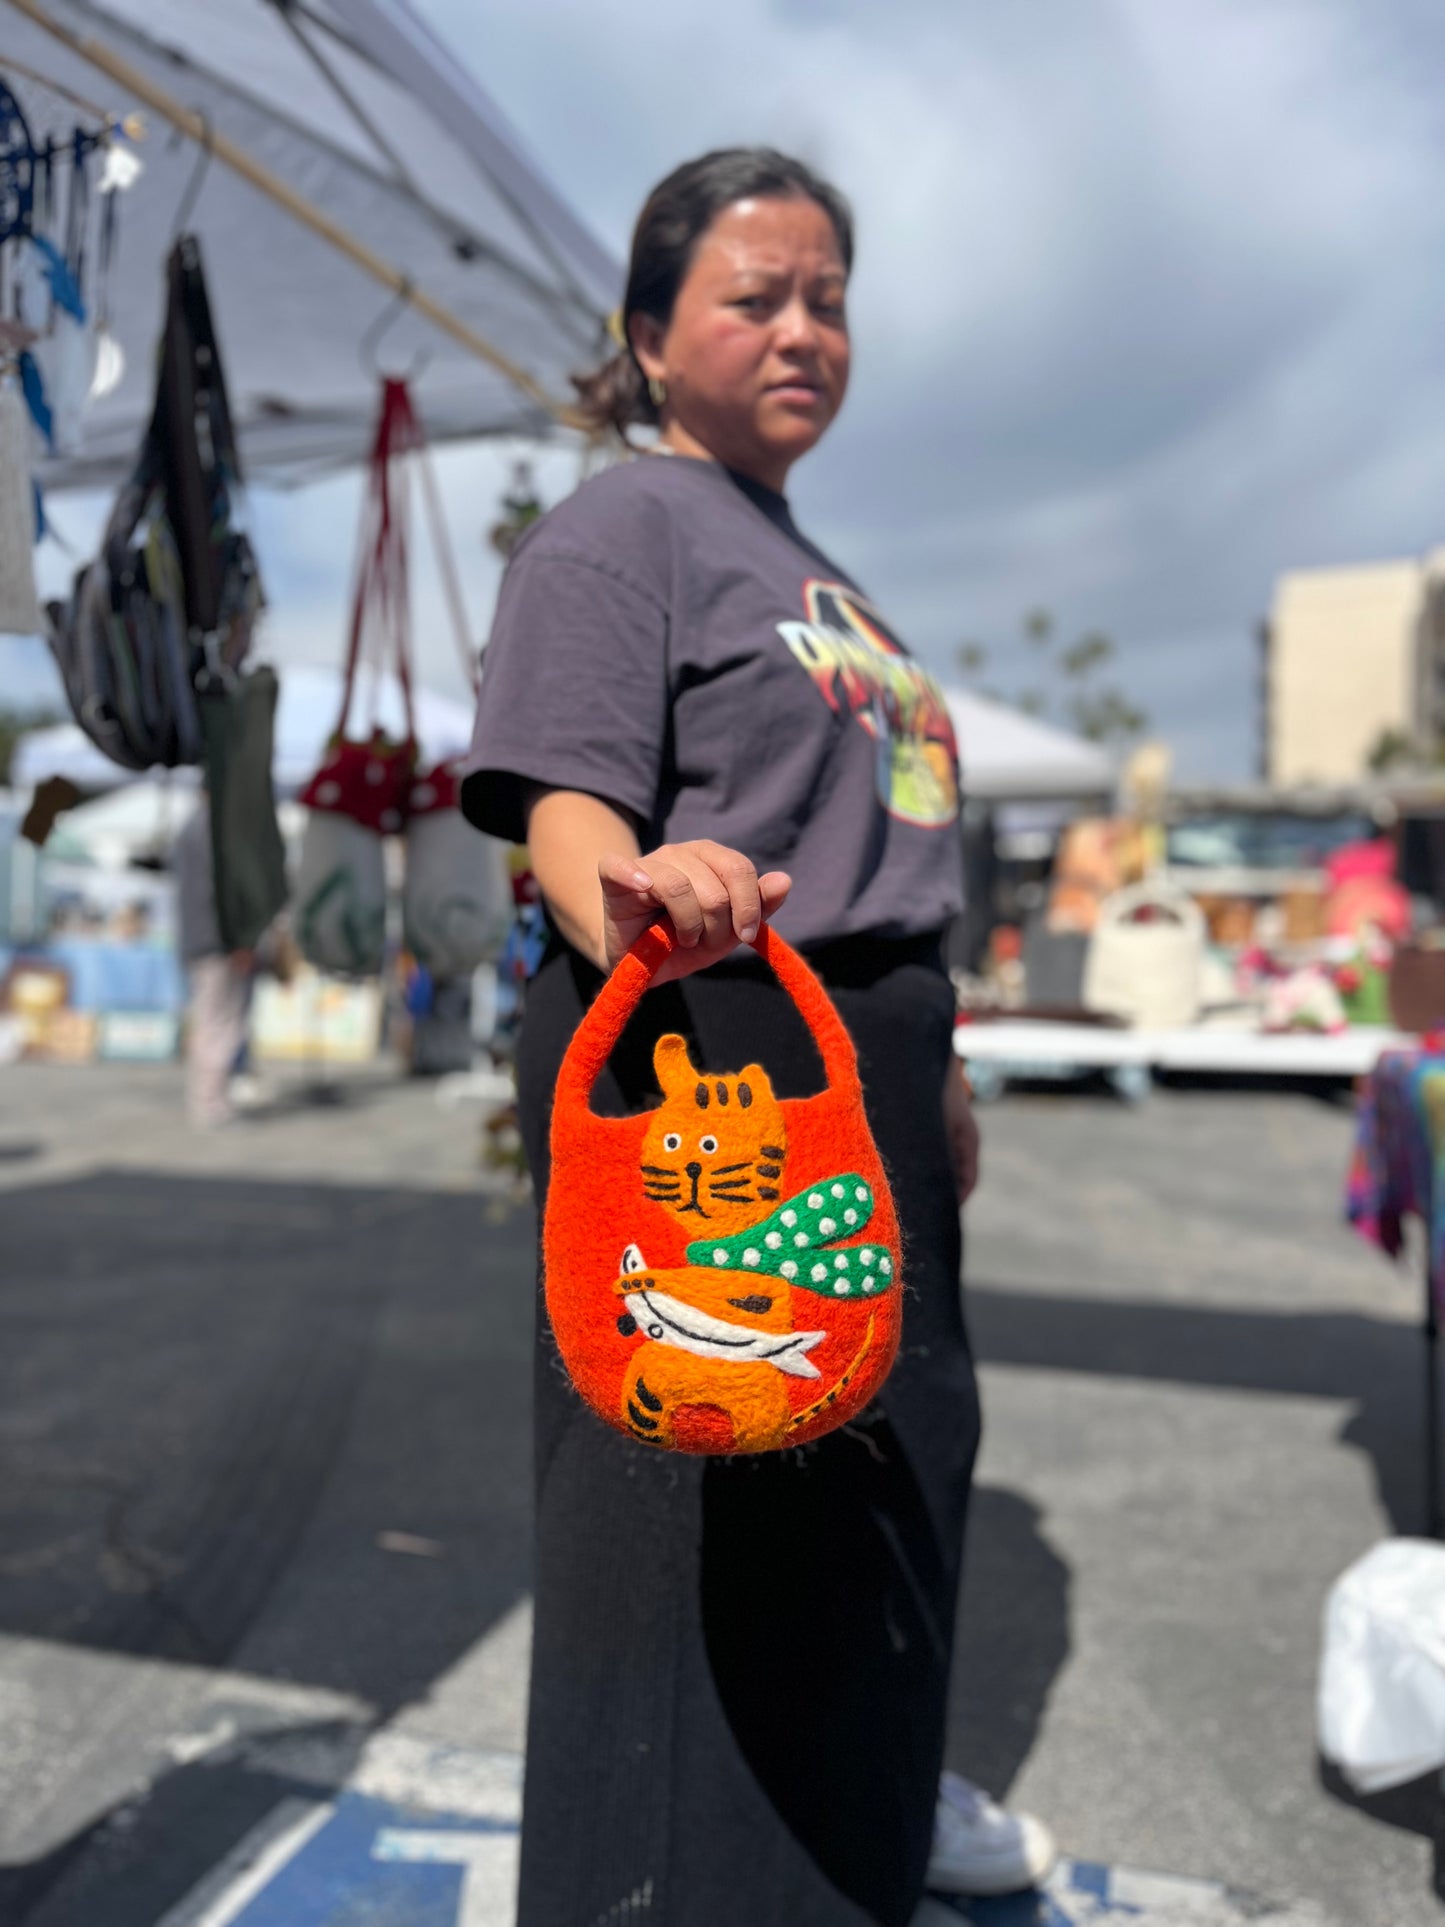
pixel 218 1399
pixel 1005 1659
pixel 1414 1808
pixel 1378 1362
pixel 136 1862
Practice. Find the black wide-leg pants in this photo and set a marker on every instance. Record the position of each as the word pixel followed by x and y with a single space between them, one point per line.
pixel 740 1666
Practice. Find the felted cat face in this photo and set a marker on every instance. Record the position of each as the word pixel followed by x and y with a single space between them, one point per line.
pixel 715 1147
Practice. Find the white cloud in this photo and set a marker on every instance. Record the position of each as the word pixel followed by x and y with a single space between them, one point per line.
pixel 1145 300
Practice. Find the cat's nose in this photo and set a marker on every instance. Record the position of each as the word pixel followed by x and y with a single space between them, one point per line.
pixel 693 1170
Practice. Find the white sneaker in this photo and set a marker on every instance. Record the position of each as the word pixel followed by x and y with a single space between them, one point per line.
pixel 979 1848
pixel 246 1092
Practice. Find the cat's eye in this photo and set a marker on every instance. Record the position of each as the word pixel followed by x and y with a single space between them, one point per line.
pixel 708 1144
pixel 672 1142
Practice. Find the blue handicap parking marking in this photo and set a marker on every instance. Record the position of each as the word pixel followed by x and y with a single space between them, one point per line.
pixel 372 1863
pixel 1081 1893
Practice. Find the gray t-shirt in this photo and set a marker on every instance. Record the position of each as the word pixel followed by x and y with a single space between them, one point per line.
pixel 667 640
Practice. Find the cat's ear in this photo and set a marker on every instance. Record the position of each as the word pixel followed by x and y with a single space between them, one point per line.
pixel 674 1068
pixel 754 1086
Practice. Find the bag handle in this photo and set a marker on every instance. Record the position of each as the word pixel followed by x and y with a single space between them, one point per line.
pixel 382 588
pixel 1120 906
pixel 619 997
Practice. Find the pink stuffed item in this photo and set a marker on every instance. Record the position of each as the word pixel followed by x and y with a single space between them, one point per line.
pixel 1363 903
pixel 1373 859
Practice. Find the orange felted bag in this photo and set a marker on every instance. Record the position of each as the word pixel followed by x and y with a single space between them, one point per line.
pixel 722 1273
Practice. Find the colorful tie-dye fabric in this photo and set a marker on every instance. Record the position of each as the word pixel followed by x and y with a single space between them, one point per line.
pixel 1398 1167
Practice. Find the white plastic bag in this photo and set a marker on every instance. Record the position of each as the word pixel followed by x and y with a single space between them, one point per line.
pixel 339 903
pixel 457 901
pixel 66 359
pixel 1382 1673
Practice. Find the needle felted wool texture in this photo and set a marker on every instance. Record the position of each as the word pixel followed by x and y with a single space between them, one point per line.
pixel 722 1273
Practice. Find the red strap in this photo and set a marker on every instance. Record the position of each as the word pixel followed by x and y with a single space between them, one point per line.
pixel 446 562
pixel 604 1023
pixel 382 590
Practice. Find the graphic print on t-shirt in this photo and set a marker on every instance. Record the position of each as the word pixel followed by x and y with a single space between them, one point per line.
pixel 856 661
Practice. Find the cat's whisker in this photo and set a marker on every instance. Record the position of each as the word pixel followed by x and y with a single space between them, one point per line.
pixel 746 1165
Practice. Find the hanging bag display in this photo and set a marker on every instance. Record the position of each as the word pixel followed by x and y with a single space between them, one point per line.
pixel 122 643
pixel 339 906
pixel 176 587
pixel 457 901
pixel 723 1272
pixel 359 794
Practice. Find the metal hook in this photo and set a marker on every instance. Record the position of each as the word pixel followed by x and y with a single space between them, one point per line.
pixel 371 340
pixel 198 175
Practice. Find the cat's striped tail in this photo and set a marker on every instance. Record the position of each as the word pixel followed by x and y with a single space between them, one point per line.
pixel 831 1397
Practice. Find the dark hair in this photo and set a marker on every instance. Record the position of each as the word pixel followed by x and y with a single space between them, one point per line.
pixel 675 216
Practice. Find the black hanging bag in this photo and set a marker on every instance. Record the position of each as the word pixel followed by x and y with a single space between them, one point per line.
pixel 175 588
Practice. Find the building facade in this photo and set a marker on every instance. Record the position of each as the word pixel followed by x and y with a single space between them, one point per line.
pixel 1354 658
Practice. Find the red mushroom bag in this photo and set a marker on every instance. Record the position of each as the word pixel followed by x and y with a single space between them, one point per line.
pixel 722 1273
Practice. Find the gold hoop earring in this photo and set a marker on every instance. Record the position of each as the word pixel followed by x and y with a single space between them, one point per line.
pixel 656 390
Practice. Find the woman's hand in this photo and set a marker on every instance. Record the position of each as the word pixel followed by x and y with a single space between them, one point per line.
pixel 962 1128
pixel 712 897
pixel 602 893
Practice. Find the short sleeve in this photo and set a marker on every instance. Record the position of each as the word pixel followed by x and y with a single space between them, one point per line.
pixel 574 691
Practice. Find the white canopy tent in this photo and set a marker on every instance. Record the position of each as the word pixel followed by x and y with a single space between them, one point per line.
pixel 354 111
pixel 1009 757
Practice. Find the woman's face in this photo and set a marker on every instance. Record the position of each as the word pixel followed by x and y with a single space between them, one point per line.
pixel 755 357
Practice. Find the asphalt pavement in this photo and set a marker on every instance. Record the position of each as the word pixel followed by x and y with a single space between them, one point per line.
pixel 264 1483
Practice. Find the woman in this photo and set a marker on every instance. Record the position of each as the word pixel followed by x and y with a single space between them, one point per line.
pixel 740 1665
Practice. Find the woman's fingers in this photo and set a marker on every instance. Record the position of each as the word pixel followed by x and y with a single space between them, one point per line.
pixel 623 878
pixel 682 895
pixel 739 882
pixel 712 896
pixel 773 889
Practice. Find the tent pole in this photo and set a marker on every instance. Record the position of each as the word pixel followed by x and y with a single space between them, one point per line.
pixel 88 48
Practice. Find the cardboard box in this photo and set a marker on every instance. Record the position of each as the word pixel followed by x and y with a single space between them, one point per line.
pixel 316 1020
pixel 66 1037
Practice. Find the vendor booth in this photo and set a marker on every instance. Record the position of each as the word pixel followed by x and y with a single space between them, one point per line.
pixel 335 156
pixel 252 243
pixel 1252 934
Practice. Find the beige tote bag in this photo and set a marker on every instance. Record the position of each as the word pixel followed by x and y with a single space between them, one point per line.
pixel 1145 957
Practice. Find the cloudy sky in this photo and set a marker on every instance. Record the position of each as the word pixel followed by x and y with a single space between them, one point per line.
pixel 1148 302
